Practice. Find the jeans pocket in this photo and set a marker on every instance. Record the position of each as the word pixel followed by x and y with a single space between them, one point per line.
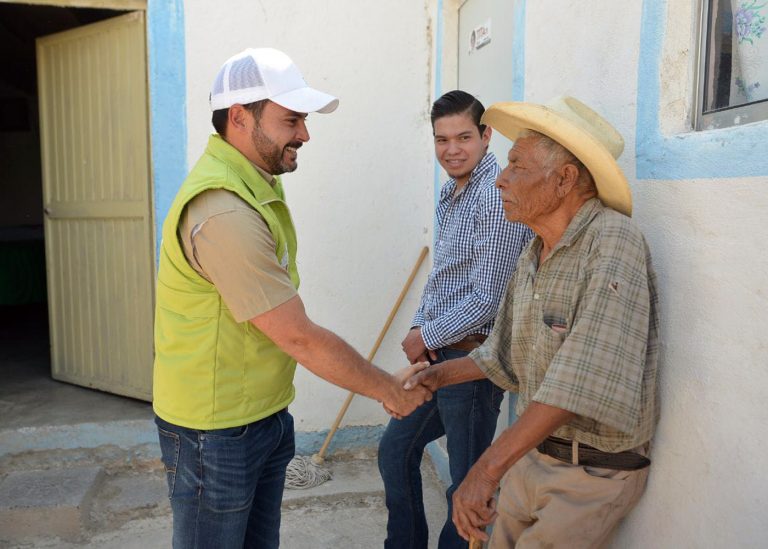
pixel 169 449
pixel 232 433
pixel 497 396
pixel 286 423
pixel 450 354
pixel 229 459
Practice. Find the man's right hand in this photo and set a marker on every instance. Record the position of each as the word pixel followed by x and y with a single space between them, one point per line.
pixel 402 402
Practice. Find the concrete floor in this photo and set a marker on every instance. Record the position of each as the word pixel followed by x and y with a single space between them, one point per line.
pixel 125 504
pixel 29 397
pixel 130 510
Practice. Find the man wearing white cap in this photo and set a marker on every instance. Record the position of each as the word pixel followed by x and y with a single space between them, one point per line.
pixel 229 324
pixel 576 336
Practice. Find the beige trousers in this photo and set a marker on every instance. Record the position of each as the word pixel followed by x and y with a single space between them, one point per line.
pixel 544 502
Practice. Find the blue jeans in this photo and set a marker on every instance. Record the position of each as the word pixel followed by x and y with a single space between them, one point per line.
pixel 466 413
pixel 226 485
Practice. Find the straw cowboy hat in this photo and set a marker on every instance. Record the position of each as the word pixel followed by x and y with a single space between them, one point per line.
pixel 579 129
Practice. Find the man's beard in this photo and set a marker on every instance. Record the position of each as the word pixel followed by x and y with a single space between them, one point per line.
pixel 272 154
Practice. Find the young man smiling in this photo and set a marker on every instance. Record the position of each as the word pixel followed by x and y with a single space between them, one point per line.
pixel 475 253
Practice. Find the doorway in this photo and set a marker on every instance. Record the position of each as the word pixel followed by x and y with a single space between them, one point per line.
pixel 28 395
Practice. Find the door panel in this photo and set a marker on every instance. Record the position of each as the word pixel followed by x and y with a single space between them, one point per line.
pixel 96 189
pixel 487 73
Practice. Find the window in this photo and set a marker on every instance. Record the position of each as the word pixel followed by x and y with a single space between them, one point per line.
pixel 733 66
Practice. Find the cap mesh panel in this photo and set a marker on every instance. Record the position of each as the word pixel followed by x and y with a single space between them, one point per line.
pixel 218 85
pixel 244 74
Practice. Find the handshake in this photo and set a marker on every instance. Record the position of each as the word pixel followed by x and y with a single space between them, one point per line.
pixel 412 386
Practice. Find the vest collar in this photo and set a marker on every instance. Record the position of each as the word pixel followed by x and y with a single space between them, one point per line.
pixel 256 183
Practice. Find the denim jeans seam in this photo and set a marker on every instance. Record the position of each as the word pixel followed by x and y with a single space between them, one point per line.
pixel 416 436
pixel 176 450
pixel 200 469
pixel 495 392
pixel 282 431
pixel 472 413
pixel 200 483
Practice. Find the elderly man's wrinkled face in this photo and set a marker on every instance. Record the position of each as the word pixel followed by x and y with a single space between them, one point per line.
pixel 527 192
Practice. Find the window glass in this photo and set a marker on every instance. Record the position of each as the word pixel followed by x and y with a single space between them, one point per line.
pixel 735 64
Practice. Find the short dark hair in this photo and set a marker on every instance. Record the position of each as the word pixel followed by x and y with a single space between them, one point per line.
pixel 458 102
pixel 219 117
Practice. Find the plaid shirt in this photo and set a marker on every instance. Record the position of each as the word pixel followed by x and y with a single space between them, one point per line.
pixel 580 331
pixel 475 254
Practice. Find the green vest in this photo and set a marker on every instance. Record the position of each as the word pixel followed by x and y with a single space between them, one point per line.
pixel 210 371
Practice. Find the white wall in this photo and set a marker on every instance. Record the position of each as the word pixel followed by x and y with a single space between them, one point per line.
pixel 708 485
pixel 362 197
pixel 363 201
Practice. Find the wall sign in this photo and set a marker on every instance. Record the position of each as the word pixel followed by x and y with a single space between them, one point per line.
pixel 480 36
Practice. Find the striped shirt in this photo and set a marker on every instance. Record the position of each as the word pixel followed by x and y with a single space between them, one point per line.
pixel 580 331
pixel 475 254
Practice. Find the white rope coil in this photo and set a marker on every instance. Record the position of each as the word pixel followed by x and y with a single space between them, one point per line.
pixel 302 473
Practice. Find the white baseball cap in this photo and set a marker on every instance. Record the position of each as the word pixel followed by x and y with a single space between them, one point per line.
pixel 266 73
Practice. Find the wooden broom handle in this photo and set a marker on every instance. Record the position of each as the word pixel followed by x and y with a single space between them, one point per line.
pixel 321 454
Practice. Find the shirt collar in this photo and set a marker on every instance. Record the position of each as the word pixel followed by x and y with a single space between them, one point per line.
pixel 268 177
pixel 485 164
pixel 583 217
pixel 588 211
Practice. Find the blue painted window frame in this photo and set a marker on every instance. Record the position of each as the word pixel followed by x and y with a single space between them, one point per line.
pixel 738 151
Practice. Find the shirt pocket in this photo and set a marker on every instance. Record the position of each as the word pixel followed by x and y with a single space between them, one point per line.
pixel 549 338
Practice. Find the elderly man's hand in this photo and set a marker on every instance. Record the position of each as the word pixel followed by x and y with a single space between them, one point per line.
pixel 403 375
pixel 407 372
pixel 474 506
pixel 404 401
pixel 431 378
pixel 415 349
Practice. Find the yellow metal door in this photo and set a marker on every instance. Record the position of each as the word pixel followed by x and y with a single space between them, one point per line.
pixel 92 84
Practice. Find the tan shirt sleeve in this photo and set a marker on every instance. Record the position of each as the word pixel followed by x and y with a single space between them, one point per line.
pixel 229 244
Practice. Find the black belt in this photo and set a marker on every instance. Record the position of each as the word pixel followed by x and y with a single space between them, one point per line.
pixel 469 343
pixel 561 449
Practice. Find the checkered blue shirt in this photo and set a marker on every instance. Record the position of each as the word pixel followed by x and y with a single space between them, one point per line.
pixel 475 254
